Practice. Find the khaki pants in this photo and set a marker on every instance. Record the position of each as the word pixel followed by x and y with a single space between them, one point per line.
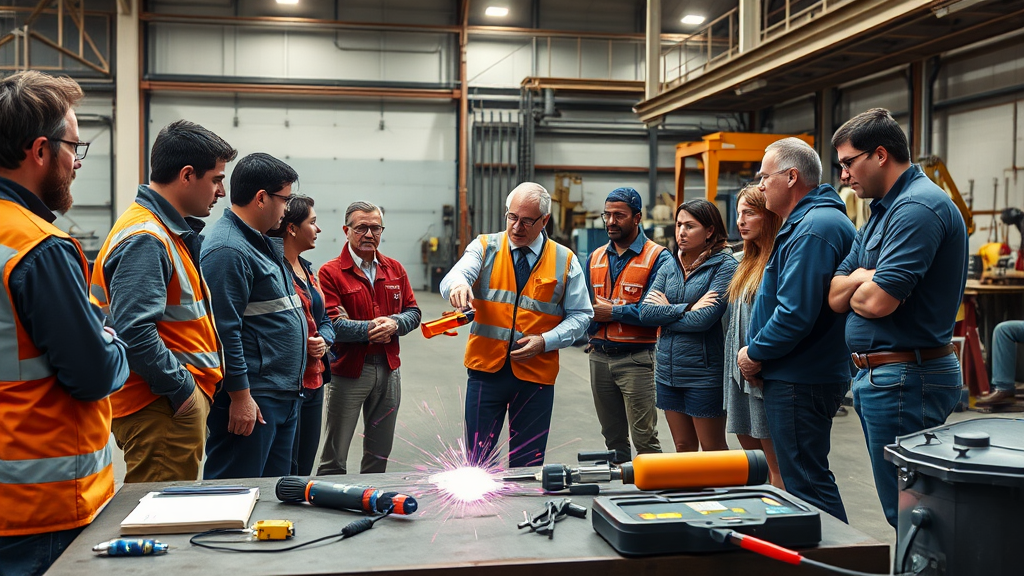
pixel 624 395
pixel 377 393
pixel 159 447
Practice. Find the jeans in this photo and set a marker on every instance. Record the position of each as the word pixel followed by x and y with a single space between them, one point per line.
pixel 267 452
pixel 1004 353
pixel 899 399
pixel 488 397
pixel 307 433
pixel 800 423
pixel 31 555
pixel 623 387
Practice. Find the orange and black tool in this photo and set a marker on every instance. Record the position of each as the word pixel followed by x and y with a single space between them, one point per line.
pixel 447 323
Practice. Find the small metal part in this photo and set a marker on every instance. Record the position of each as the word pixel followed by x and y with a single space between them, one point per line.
pixel 273 529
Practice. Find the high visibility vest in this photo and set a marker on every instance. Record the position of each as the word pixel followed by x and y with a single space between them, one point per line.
pixel 503 315
pixel 186 326
pixel 628 289
pixel 55 464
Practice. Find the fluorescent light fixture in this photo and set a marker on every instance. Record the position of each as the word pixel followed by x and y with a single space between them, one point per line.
pixel 952 7
pixel 751 86
pixel 496 11
pixel 693 19
pixel 287 1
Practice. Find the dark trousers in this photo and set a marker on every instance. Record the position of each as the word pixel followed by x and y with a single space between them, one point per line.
pixel 265 453
pixel 800 422
pixel 488 397
pixel 31 555
pixel 307 435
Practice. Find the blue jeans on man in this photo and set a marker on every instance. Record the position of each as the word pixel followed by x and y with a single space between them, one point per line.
pixel 267 452
pixel 898 399
pixel 31 555
pixel 800 422
pixel 488 397
pixel 1004 353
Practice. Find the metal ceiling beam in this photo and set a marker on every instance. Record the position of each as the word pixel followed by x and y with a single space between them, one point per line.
pixel 299 90
pixel 831 28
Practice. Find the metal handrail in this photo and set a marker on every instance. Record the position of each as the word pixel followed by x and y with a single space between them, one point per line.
pixel 718 41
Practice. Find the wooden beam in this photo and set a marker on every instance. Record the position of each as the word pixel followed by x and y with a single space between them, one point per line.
pixel 67 52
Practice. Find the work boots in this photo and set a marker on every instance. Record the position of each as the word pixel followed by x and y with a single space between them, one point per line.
pixel 998 397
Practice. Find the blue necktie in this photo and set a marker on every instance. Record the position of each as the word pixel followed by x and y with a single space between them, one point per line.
pixel 522 268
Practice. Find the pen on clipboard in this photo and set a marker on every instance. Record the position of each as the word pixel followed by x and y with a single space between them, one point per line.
pixel 203 490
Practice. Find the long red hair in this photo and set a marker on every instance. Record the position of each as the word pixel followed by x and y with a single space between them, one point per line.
pixel 750 271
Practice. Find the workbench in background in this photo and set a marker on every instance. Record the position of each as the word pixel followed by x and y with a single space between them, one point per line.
pixel 432 543
pixel 985 306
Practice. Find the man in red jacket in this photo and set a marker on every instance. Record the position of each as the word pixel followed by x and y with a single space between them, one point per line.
pixel 369 299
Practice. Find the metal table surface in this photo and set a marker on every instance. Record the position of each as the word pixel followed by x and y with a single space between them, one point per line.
pixel 436 540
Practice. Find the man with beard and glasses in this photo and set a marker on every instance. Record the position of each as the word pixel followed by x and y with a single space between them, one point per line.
pixel 622 345
pixel 147 276
pixel 58 363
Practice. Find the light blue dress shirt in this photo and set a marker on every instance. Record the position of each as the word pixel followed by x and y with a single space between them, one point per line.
pixel 576 302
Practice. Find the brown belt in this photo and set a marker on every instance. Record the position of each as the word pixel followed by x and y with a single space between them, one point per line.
pixel 875 359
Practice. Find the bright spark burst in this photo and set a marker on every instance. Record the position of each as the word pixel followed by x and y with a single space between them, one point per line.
pixel 467 484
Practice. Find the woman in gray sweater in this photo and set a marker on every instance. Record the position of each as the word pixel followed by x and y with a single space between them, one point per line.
pixel 743 400
pixel 687 301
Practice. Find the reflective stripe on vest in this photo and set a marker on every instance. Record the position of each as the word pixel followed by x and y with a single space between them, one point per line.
pixel 56 469
pixel 270 306
pixel 186 326
pixel 55 462
pixel 628 289
pixel 538 309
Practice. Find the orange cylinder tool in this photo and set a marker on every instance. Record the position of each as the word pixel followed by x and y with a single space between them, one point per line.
pixel 447 323
pixel 696 469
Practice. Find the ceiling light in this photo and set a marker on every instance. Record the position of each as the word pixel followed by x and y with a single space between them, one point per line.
pixel 693 19
pixel 751 86
pixel 287 1
pixel 496 11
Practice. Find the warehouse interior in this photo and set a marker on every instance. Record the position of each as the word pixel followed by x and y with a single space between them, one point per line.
pixel 436 109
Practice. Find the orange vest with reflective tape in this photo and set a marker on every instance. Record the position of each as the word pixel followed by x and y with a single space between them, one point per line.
pixel 55 465
pixel 504 316
pixel 186 328
pixel 628 289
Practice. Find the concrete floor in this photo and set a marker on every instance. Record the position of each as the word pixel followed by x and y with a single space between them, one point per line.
pixel 433 383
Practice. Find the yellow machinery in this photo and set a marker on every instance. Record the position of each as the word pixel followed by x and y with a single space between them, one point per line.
pixel 935 169
pixel 568 218
pixel 743 148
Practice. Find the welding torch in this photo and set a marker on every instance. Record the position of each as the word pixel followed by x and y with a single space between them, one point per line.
pixel 653 471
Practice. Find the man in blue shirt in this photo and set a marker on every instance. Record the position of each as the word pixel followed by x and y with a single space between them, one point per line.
pixel 525 312
pixel 621 345
pixel 261 324
pixel 901 287
pixel 794 341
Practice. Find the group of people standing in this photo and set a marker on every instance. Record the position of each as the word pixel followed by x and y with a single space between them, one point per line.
pixel 180 337
pixel 177 341
pixel 765 343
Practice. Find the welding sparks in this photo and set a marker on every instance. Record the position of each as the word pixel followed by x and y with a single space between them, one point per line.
pixel 467 484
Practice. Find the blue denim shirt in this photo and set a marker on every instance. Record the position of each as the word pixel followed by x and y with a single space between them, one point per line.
pixel 50 296
pixel 258 315
pixel 916 242
pixel 626 313
pixel 793 332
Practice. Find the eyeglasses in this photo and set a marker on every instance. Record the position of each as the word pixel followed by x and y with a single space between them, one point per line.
pixel 281 196
pixel 524 222
pixel 616 216
pixel 363 229
pixel 761 177
pixel 845 164
pixel 81 148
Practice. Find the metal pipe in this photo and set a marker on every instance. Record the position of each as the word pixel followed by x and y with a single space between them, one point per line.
pixel 299 90
pixel 652 175
pixel 463 129
pixel 980 96
pixel 927 109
